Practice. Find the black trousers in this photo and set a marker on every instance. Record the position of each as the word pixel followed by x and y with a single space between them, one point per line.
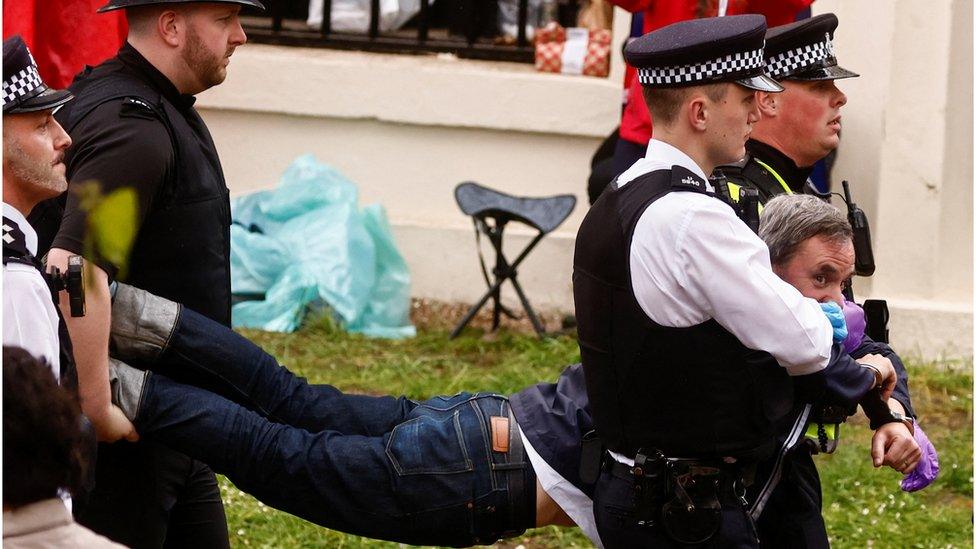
pixel 148 496
pixel 792 517
pixel 616 522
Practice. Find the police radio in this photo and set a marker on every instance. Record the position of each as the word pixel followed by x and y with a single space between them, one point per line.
pixel 875 310
pixel 749 208
pixel 72 281
pixel 863 254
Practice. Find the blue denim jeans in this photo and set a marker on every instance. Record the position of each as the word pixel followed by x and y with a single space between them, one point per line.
pixel 382 467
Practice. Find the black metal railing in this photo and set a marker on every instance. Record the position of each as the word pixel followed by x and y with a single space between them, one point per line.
pixel 467 28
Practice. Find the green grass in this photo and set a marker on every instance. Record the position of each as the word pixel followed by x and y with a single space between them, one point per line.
pixel 863 507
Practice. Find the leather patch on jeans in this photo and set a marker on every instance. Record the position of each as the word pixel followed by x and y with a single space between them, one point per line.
pixel 499 434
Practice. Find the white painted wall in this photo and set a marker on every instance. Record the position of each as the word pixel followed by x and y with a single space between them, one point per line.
pixel 407 129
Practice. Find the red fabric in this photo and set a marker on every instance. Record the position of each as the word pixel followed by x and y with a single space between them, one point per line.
pixel 64 36
pixel 635 124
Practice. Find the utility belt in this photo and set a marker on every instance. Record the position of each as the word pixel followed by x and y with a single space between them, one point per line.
pixel 684 496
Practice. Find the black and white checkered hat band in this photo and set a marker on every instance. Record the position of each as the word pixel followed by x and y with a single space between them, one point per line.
pixel 21 84
pixel 796 59
pixel 709 70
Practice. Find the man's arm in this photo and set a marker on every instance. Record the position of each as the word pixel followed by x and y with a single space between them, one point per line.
pixel 703 262
pixel 89 338
pixel 900 393
pixel 893 444
pixel 117 145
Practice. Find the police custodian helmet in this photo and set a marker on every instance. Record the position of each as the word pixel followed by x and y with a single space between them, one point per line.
pixel 804 50
pixel 122 4
pixel 23 89
pixel 703 51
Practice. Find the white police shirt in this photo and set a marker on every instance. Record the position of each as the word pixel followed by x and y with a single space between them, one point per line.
pixel 29 318
pixel 692 259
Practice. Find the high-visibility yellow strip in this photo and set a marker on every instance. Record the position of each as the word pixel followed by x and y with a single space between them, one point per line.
pixel 776 175
pixel 830 429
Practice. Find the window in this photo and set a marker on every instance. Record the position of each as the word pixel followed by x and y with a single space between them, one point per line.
pixel 479 29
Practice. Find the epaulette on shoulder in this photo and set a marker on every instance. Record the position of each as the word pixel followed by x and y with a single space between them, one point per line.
pixel 134 107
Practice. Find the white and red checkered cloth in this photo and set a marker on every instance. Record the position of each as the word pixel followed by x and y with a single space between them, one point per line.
pixel 572 51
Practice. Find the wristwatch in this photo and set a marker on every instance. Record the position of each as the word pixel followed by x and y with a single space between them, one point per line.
pixel 898 416
pixel 882 416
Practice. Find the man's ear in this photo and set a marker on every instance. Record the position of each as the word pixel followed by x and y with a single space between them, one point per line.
pixel 697 112
pixel 768 104
pixel 171 25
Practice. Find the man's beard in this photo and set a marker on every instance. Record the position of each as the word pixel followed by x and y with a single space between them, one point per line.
pixel 206 66
pixel 36 173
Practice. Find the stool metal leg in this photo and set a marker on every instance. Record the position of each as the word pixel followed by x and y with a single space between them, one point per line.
pixel 474 310
pixel 500 271
pixel 539 329
pixel 503 271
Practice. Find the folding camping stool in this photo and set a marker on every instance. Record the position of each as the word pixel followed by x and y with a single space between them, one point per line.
pixel 490 211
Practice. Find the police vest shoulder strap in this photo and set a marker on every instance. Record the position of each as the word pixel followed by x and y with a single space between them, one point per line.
pixel 15 245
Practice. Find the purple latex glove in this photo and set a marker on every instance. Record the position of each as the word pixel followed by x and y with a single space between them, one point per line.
pixel 927 469
pixel 854 315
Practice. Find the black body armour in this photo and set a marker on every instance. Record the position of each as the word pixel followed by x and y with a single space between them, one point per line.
pixel 182 250
pixel 689 392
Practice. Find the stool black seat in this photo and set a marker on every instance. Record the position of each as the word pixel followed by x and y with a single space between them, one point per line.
pixel 490 211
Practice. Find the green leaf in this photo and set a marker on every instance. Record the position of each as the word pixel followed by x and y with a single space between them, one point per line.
pixel 112 223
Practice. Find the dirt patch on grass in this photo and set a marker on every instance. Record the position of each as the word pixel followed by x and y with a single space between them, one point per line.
pixel 429 315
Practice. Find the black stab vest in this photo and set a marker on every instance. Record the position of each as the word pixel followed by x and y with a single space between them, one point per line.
pixel 689 392
pixel 182 250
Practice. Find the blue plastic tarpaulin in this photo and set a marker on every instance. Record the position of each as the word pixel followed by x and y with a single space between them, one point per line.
pixel 306 244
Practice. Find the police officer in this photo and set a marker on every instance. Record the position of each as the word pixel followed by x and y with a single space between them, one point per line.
pixel 134 125
pixel 672 294
pixel 34 145
pixel 801 125
pixel 798 127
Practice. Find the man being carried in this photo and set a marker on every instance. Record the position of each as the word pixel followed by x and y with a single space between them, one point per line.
pixel 364 464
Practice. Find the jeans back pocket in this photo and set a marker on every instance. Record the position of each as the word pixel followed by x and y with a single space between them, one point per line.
pixel 429 444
